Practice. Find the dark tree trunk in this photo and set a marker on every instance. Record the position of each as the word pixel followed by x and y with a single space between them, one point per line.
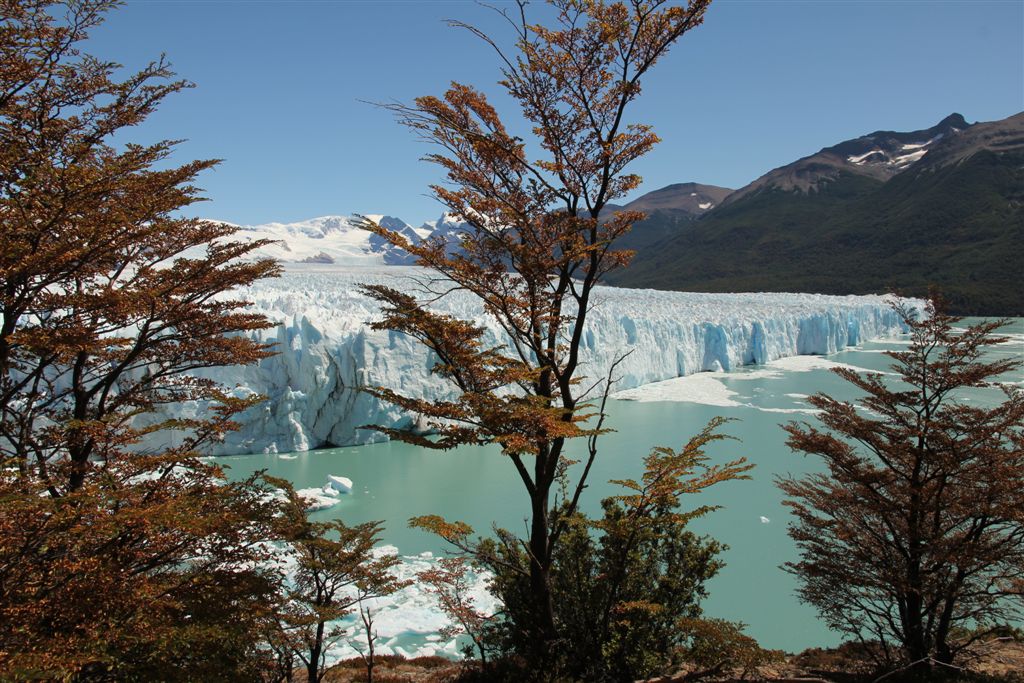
pixel 915 646
pixel 315 650
pixel 540 561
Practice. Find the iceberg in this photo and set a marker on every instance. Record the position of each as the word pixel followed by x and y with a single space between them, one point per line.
pixel 339 484
pixel 327 353
pixel 318 499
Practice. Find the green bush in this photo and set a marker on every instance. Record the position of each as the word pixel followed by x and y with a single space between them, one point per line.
pixel 618 595
pixel 626 587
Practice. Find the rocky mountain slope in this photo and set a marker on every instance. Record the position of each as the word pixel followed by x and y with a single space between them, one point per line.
pixel 941 206
pixel 669 211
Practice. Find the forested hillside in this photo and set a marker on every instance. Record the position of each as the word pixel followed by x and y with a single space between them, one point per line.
pixel 953 219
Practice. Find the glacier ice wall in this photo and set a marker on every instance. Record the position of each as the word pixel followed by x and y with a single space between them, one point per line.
pixel 326 351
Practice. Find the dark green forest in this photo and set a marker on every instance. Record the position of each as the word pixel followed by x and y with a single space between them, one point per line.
pixel 957 227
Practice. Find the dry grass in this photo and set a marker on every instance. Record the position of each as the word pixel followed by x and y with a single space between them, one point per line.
pixel 397 669
pixel 997 661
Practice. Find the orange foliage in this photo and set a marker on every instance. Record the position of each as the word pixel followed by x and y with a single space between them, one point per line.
pixel 148 571
pixel 114 564
pixel 336 570
pixel 449 583
pixel 107 298
pixel 915 531
pixel 538 240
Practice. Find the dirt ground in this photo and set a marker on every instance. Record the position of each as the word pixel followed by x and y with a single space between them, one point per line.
pixel 998 661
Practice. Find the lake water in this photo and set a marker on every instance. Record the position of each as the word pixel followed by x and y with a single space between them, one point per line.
pixel 394 481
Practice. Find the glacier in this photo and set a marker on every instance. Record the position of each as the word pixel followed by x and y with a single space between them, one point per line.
pixel 327 353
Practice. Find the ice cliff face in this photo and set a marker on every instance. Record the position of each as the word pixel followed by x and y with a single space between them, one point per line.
pixel 326 352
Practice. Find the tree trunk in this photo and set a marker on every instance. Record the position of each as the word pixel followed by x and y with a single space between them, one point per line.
pixel 77 476
pixel 540 572
pixel 913 628
pixel 315 649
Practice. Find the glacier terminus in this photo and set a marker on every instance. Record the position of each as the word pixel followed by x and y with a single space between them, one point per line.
pixel 327 353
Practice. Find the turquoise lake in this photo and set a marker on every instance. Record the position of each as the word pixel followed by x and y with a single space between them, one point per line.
pixel 393 482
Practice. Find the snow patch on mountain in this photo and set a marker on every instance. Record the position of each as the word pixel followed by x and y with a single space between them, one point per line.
pixel 907 159
pixel 886 153
pixel 327 353
pixel 862 158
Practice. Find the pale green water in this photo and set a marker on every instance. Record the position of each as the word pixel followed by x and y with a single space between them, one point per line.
pixel 394 482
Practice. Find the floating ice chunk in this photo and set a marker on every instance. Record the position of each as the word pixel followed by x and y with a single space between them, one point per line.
pixel 700 388
pixel 758 372
pixel 287 457
pixel 789 411
pixel 318 498
pixel 1012 339
pixel 408 622
pixel 808 363
pixel 340 484
pixel 765 520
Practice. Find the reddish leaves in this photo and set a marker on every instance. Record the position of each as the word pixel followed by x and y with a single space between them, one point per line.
pixel 115 564
pixel 538 241
pixel 915 529
pixel 107 297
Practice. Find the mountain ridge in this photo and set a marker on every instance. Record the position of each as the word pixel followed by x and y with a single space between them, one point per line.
pixel 880 155
pixel 951 217
pixel 886 210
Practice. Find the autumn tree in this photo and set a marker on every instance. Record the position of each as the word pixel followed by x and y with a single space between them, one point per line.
pixel 626 586
pixel 143 575
pixel 449 582
pixel 913 536
pixel 108 298
pixel 118 558
pixel 335 571
pixel 538 241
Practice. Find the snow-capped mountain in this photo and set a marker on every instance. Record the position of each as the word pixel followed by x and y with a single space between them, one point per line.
pixel 338 240
pixel 879 155
pixel 886 153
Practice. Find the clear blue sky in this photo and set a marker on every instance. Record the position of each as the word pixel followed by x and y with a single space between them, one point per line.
pixel 281 88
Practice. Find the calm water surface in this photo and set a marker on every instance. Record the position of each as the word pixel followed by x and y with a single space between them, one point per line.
pixel 393 482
